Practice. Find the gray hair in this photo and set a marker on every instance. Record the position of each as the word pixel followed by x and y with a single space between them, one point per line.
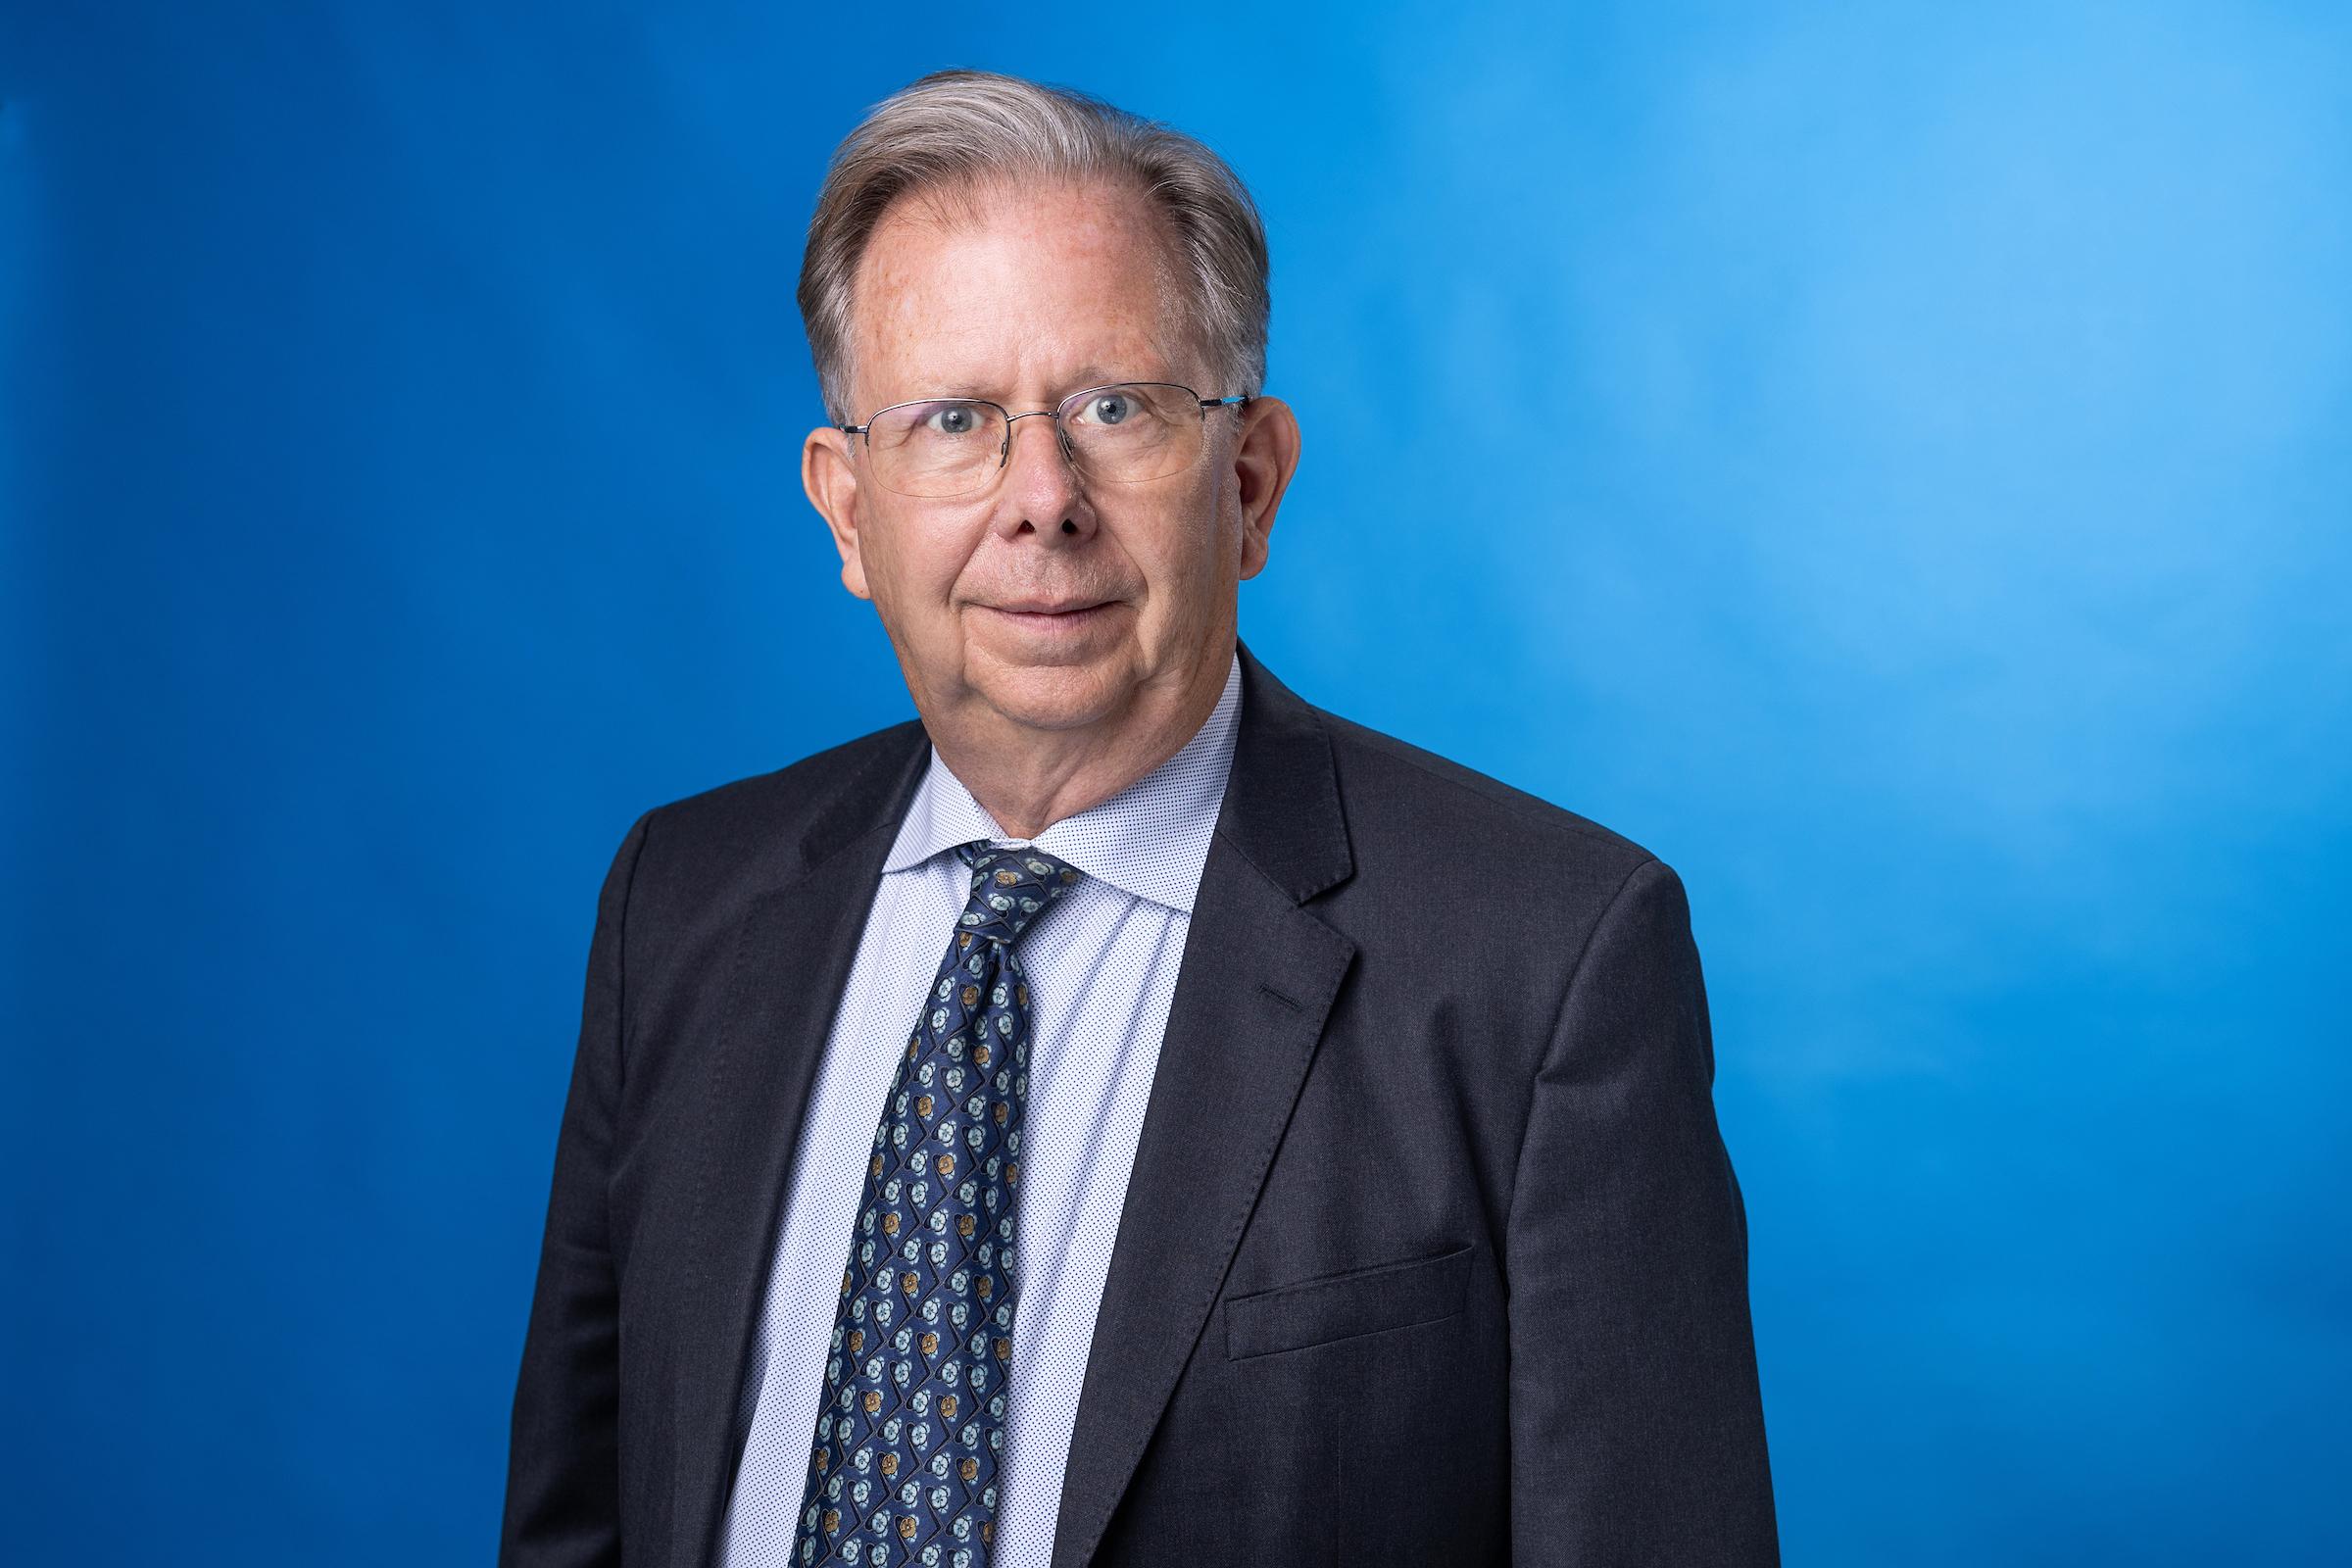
pixel 957 131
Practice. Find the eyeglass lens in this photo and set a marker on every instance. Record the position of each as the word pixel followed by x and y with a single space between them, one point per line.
pixel 950 446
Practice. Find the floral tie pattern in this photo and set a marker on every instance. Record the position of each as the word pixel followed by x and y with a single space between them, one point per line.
pixel 903 1467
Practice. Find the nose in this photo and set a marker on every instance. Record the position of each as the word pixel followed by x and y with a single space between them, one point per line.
pixel 1042 492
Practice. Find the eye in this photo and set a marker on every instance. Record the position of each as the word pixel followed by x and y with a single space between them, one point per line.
pixel 954 419
pixel 1108 408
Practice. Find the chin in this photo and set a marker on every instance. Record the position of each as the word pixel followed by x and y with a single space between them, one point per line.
pixel 1059 696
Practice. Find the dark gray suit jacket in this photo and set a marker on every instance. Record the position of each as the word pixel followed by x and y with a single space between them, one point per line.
pixel 1430 1253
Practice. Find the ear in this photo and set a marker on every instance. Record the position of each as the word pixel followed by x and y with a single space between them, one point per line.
pixel 1266 456
pixel 832 486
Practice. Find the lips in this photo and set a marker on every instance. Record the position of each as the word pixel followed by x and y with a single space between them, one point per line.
pixel 1050 607
pixel 1042 624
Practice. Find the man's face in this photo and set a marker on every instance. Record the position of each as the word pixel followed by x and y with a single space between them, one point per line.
pixel 1056 601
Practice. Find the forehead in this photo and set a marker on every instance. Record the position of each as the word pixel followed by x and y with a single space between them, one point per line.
pixel 1017 292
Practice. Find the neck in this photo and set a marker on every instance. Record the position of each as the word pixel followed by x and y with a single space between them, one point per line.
pixel 1029 779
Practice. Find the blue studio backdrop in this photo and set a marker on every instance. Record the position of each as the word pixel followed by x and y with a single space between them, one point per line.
pixel 1892 461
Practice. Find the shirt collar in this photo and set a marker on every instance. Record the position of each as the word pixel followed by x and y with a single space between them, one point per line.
pixel 1149 840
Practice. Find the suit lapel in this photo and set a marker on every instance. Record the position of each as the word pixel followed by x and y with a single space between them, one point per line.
pixel 1258 978
pixel 793 955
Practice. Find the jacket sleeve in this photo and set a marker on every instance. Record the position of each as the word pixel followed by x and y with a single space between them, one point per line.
pixel 563 1465
pixel 1637 1425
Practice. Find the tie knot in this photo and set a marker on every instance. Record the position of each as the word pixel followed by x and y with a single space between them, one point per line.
pixel 1011 888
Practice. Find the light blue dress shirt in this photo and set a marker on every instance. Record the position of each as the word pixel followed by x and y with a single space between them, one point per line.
pixel 1102 970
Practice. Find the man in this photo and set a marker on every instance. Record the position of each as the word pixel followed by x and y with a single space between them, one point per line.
pixel 1130 1117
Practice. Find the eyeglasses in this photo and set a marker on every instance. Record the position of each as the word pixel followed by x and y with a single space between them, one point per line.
pixel 1127 433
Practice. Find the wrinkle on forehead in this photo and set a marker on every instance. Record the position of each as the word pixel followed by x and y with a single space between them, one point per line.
pixel 984 199
pixel 1034 213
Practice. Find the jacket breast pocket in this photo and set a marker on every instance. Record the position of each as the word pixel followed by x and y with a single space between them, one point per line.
pixel 1340 1306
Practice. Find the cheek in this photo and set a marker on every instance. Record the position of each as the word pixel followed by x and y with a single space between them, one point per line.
pixel 913 563
pixel 1204 547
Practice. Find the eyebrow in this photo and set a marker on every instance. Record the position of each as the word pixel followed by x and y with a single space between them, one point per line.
pixel 1091 375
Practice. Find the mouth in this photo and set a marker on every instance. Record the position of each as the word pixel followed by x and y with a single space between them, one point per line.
pixel 1053 616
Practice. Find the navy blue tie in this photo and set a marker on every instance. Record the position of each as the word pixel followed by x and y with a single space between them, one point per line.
pixel 911 1431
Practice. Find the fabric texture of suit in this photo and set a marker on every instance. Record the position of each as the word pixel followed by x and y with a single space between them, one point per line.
pixel 1431 1254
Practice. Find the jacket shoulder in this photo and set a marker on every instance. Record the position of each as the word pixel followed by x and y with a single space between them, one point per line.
pixel 1396 791
pixel 748 830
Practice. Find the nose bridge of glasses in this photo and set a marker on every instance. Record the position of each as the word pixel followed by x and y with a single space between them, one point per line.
pixel 1061 436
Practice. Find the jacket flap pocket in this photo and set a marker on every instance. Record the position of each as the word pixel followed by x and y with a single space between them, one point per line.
pixel 1338 1306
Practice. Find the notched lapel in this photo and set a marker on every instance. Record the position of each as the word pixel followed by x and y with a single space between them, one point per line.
pixel 793 955
pixel 1259 980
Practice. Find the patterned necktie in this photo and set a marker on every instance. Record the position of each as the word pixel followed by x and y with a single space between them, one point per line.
pixel 912 1430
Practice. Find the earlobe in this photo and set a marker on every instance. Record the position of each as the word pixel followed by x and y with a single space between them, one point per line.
pixel 831 485
pixel 1265 458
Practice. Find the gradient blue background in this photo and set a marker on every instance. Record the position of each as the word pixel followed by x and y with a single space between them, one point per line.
pixel 1894 462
